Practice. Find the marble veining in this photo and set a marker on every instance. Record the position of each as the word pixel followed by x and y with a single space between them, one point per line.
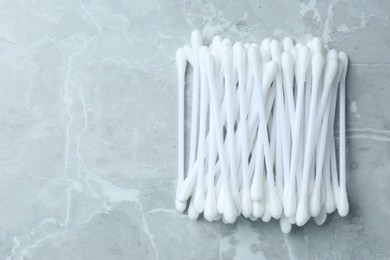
pixel 88 131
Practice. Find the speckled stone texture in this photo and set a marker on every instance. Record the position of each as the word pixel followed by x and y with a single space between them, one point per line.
pixel 88 129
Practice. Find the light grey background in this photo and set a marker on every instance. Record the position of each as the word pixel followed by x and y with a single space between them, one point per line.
pixel 88 129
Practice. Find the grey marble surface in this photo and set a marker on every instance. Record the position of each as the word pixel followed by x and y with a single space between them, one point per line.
pixel 88 129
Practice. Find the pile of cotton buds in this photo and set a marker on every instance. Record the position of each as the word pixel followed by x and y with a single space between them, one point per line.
pixel 262 140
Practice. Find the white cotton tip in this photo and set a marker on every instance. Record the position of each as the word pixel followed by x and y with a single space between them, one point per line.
pixel 317 45
pixel 186 188
pixel 294 54
pixel 254 45
pixel 210 209
pixel 253 56
pixel 227 41
pixel 285 225
pixel 315 203
pixel 290 202
pixel 269 74
pixel 265 44
pixel 321 217
pixel 238 43
pixel 199 198
pixel 226 49
pixel 276 51
pixel 258 209
pixel 181 61
pixel 265 56
pixel 287 68
pixel 229 210
pixel 343 59
pixel 247 45
pixel 302 63
pixel 329 201
pixel 196 39
pixel 266 217
pixel 275 207
pixel 317 65
pixel 332 55
pixel 246 203
pixel 216 42
pixel 330 72
pixel 239 53
pixel 288 43
pixel 218 217
pixel 227 58
pixel 302 214
pixel 343 205
pixel 180 206
pixel 299 46
pixel 220 201
pixel 192 213
pixel 256 188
